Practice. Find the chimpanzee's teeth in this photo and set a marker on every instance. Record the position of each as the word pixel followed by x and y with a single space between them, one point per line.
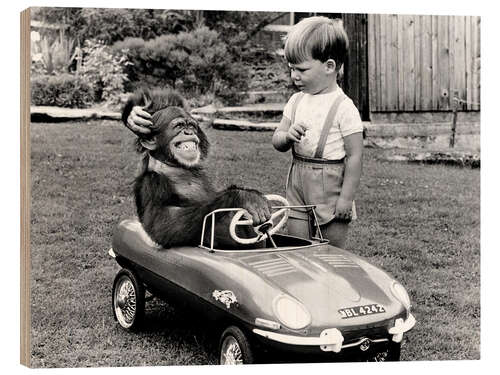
pixel 187 146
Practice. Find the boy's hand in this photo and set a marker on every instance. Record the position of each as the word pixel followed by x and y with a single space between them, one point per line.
pixel 295 132
pixel 343 209
pixel 139 121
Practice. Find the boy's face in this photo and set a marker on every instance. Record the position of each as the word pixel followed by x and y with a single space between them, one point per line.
pixel 313 76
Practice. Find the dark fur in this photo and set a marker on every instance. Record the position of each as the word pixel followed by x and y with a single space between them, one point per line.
pixel 155 100
pixel 171 206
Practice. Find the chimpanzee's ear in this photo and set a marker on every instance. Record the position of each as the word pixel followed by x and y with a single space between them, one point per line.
pixel 149 144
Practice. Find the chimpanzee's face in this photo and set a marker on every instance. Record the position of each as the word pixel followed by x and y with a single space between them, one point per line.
pixel 184 141
pixel 181 140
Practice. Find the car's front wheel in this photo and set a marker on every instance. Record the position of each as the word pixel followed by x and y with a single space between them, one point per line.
pixel 392 353
pixel 128 299
pixel 235 348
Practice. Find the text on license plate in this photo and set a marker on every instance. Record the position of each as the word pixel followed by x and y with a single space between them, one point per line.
pixel 354 312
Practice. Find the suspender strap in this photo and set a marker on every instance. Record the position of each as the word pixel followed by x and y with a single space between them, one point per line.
pixel 328 125
pixel 295 105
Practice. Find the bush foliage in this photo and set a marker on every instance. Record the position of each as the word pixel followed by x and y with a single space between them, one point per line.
pixel 112 24
pixel 207 55
pixel 194 62
pixel 65 90
pixel 104 72
pixel 99 79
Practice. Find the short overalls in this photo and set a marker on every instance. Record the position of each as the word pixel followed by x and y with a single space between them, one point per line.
pixel 316 181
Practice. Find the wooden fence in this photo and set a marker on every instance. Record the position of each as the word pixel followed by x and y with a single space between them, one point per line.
pixel 416 63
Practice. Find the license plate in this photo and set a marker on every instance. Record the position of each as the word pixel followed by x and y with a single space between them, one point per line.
pixel 357 311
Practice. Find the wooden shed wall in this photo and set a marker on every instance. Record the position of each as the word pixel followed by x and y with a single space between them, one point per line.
pixel 417 62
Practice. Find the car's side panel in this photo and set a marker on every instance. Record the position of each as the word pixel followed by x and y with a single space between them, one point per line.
pixel 177 296
pixel 200 272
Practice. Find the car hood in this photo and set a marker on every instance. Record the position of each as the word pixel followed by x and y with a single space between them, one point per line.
pixel 326 279
pixel 322 271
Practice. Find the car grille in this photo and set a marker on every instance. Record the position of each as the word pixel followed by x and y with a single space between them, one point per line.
pixel 371 333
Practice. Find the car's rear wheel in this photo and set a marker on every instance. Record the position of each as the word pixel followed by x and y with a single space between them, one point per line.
pixel 235 348
pixel 128 299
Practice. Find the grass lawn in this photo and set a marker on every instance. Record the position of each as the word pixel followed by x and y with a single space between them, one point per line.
pixel 420 223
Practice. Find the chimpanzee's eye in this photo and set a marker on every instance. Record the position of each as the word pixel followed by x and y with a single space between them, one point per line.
pixel 179 125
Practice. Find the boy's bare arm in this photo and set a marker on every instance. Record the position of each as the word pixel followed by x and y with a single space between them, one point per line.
pixel 353 144
pixel 280 140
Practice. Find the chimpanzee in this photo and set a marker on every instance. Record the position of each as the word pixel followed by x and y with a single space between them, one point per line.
pixel 172 191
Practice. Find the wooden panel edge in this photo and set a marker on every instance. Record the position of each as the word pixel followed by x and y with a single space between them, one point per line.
pixel 25 266
pixel 372 88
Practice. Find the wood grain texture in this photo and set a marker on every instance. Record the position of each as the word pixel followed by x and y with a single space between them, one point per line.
pixel 394 64
pixel 476 62
pixel 458 63
pixel 409 62
pixel 378 63
pixel 401 62
pixel 417 38
pixel 416 62
pixel 382 64
pixel 426 64
pixel 468 45
pixel 355 81
pixel 443 64
pixel 435 62
pixel 372 72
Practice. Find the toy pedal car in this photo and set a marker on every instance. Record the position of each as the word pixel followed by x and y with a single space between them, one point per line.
pixel 295 295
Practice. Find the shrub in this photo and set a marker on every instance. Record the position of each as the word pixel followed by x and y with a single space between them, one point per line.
pixel 65 90
pixel 104 71
pixel 113 24
pixel 100 78
pixel 52 57
pixel 193 62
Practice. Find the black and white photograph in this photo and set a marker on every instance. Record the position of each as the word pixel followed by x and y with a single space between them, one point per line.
pixel 250 186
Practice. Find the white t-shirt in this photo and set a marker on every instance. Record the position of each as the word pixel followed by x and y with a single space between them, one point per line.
pixel 312 111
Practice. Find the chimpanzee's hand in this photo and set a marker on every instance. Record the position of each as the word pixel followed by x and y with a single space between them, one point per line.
pixel 256 205
pixel 139 121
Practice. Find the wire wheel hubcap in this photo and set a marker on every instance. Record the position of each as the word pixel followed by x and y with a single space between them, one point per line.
pixel 125 302
pixel 381 356
pixel 231 352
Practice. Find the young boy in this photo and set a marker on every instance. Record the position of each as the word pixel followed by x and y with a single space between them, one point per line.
pixel 324 130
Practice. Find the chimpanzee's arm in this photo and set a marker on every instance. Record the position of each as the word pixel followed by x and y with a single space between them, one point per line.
pixel 169 224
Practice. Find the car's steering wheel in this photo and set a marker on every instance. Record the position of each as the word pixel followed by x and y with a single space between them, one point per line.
pixel 262 234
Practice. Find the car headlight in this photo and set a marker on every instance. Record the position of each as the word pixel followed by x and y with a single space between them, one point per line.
pixel 401 294
pixel 291 312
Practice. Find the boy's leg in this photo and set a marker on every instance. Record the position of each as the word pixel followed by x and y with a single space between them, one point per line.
pixel 336 232
pixel 298 227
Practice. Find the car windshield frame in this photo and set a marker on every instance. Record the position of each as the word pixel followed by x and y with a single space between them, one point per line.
pixel 213 213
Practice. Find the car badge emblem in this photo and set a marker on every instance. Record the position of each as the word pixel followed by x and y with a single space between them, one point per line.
pixel 365 345
pixel 227 297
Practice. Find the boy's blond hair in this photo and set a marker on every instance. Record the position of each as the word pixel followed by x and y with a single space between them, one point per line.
pixel 319 38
